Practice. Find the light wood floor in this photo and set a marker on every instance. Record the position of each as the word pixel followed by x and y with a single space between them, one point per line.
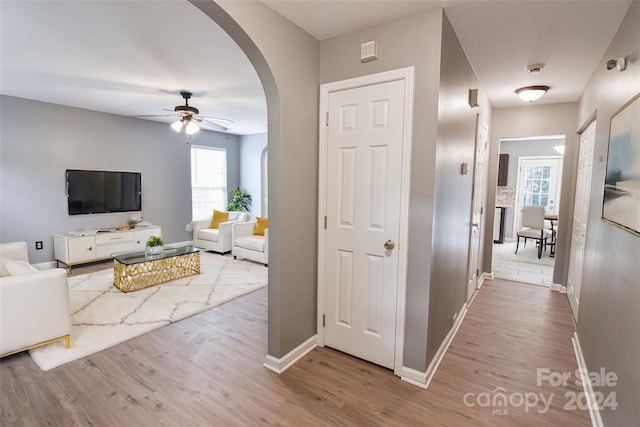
pixel 206 370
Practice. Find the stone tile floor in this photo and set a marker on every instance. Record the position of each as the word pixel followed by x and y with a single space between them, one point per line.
pixel 523 267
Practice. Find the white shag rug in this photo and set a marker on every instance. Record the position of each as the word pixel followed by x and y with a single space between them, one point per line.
pixel 103 316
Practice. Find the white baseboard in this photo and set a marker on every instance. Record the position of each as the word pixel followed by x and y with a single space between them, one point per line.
pixel 594 411
pixel 483 277
pixel 414 377
pixel 280 365
pixel 423 379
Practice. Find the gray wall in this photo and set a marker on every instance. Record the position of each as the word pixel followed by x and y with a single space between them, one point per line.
pixel 339 60
pixel 251 148
pixel 286 60
pixel 531 121
pixel 516 149
pixel 453 191
pixel 39 141
pixel 609 313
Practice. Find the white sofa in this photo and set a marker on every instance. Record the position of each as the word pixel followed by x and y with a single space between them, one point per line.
pixel 220 239
pixel 249 246
pixel 34 304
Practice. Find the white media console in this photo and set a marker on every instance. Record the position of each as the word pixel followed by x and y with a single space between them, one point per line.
pixel 81 248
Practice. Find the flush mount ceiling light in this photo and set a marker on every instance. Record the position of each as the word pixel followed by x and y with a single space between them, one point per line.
pixel 531 93
pixel 559 148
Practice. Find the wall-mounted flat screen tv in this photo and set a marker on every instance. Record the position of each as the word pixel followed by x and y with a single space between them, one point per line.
pixel 92 192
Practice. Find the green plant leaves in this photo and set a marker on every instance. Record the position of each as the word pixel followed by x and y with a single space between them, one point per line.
pixel 239 201
pixel 155 241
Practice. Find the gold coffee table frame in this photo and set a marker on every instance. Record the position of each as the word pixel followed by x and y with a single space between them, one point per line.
pixel 133 271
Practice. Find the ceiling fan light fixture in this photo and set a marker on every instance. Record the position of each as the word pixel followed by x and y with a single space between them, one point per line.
pixel 531 93
pixel 192 128
pixel 177 126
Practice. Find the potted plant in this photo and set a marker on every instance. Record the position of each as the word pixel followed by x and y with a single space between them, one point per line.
pixel 155 245
pixel 239 201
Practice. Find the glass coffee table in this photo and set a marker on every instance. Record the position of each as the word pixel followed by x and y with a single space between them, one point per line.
pixel 133 271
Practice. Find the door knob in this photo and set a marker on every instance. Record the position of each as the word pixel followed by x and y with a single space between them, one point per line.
pixel 389 244
pixel 475 224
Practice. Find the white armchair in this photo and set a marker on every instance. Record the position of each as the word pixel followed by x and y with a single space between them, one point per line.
pixel 220 239
pixel 249 246
pixel 34 304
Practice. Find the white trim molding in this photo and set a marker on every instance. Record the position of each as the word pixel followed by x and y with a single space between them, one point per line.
pixel 483 277
pixel 280 365
pixel 414 377
pixel 423 379
pixel 594 411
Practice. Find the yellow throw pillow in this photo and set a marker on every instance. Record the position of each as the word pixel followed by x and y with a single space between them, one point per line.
pixel 218 217
pixel 261 225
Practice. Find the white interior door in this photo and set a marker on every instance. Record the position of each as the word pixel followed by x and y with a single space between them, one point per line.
pixel 538 185
pixel 580 216
pixel 477 207
pixel 363 199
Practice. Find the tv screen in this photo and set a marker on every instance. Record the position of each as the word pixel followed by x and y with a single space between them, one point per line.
pixel 91 192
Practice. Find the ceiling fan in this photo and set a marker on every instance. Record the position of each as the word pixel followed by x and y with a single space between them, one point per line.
pixel 189 118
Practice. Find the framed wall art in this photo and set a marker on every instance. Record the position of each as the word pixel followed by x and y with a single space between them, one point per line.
pixel 621 203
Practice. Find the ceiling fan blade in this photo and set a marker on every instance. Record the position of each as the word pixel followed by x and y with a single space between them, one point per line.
pixel 212 125
pixel 155 115
pixel 217 119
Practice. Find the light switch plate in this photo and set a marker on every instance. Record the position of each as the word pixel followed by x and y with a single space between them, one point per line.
pixel 473 98
pixel 464 168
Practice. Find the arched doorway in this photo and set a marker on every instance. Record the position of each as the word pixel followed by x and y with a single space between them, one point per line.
pixel 286 60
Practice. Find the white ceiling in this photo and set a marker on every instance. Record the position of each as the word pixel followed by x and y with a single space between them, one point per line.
pixel 127 58
pixel 133 58
pixel 325 19
pixel 500 37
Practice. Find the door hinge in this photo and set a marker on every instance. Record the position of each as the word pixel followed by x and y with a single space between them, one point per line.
pixel 481 209
pixel 326 119
pixel 325 222
pixel 477 272
pixel 324 319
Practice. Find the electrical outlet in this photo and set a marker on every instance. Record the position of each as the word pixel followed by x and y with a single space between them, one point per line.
pixel 38 245
pixel 188 228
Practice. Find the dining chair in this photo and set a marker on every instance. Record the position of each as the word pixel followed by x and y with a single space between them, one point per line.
pixel 532 218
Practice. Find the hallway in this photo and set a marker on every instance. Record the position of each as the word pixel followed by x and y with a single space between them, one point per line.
pixel 206 370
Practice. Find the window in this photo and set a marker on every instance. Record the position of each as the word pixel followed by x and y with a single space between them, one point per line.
pixel 536 185
pixel 539 182
pixel 208 181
